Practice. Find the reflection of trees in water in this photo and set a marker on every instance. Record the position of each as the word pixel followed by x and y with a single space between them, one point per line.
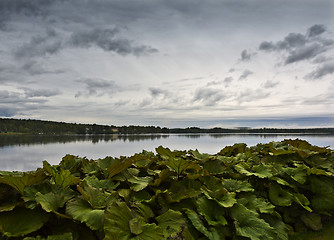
pixel 192 135
pixel 11 140
pixel 263 135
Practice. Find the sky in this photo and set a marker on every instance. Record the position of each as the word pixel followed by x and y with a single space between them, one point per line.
pixel 169 63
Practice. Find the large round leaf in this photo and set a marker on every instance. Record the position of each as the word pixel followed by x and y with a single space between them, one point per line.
pixel 22 221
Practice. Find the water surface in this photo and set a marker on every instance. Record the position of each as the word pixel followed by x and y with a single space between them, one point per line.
pixel 23 152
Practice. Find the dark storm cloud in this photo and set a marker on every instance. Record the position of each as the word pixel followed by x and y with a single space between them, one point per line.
pixel 106 39
pixel 97 87
pixel 245 74
pixel 299 46
pixel 323 70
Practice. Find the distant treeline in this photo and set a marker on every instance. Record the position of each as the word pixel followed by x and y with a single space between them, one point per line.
pixel 29 126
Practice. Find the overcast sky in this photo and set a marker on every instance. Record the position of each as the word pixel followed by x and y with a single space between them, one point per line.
pixel 173 63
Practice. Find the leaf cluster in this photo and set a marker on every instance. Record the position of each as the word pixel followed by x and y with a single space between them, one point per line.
pixel 269 191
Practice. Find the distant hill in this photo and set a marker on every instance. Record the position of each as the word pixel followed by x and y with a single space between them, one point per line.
pixel 29 126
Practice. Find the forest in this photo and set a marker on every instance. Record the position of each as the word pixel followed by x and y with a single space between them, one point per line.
pixel 31 126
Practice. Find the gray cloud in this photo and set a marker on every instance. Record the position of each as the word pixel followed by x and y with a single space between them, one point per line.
pixel 245 56
pixel 209 96
pixel 40 45
pixel 316 30
pixel 97 87
pixel 270 84
pixel 34 67
pixel 304 53
pixel 25 7
pixel 13 103
pixel 106 40
pixel 245 74
pixel 7 111
pixel 299 46
pixel 156 92
pixel 30 93
pixel 228 80
pixel 250 95
pixel 267 46
pixel 323 70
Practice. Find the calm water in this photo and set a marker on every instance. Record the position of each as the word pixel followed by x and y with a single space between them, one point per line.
pixel 24 153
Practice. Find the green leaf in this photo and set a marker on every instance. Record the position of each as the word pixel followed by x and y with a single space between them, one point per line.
pixel 19 180
pixel 215 166
pixel 256 204
pixel 71 162
pixel 164 176
pixel 281 229
pixel 233 185
pixel 196 221
pixel 81 210
pixel 323 193
pixel 179 165
pixel 222 197
pixel 312 220
pixel 185 188
pixel 233 150
pixel 172 223
pixel 211 211
pixel 302 201
pixel 61 177
pixel 279 196
pixel 65 236
pixel 97 199
pixel 248 224
pixel 119 166
pixel 122 224
pixel 199 156
pixel 317 171
pixel 22 221
pixel 139 183
pixel 103 184
pixel 51 201
pixel 261 171
pixel 299 173
pixel 9 198
pixel 281 181
pixel 116 224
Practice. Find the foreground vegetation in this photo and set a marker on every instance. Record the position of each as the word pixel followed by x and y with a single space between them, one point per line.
pixel 280 190
pixel 27 126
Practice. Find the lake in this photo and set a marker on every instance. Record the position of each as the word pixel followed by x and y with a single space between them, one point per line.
pixel 24 152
